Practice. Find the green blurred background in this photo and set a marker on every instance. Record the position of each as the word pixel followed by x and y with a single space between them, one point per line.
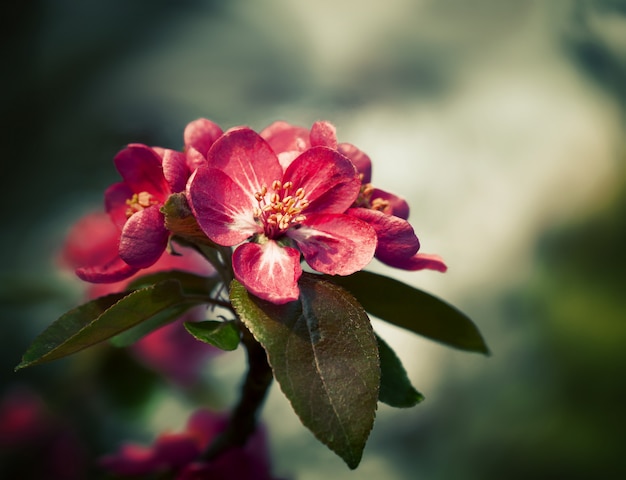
pixel 502 123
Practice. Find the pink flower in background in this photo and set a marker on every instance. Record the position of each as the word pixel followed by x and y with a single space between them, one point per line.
pixel 149 177
pixel 169 350
pixel 244 194
pixel 36 443
pixel 386 212
pixel 178 454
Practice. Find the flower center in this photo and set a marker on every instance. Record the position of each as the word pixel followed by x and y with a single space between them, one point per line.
pixel 138 202
pixel 280 210
pixel 365 200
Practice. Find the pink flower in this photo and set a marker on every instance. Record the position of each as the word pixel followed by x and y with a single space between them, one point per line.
pixel 169 350
pixel 244 194
pixel 149 176
pixel 178 454
pixel 386 212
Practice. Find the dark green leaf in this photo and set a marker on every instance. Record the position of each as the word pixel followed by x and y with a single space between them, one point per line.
pixel 324 356
pixel 136 333
pixel 191 283
pixel 413 309
pixel 224 335
pixel 395 387
pixel 100 320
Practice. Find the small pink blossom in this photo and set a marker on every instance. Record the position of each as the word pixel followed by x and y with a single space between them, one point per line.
pixel 244 194
pixel 169 350
pixel 386 212
pixel 178 454
pixel 149 176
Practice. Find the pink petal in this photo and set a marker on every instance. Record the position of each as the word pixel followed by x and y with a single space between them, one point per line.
pixel 223 210
pixel 269 271
pixel 329 179
pixel 201 134
pixel 144 238
pixel 335 244
pixel 114 270
pixel 284 137
pixel 420 261
pixel 175 170
pixel 361 161
pixel 396 237
pixel 194 159
pixel 115 203
pixel 246 158
pixel 323 134
pixel 141 169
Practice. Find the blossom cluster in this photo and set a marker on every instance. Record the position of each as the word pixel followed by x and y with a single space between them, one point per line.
pixel 257 239
pixel 277 198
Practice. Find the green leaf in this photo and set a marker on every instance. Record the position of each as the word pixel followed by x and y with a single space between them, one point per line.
pixel 100 320
pixel 191 283
pixel 395 387
pixel 224 335
pixel 136 333
pixel 413 309
pixel 324 356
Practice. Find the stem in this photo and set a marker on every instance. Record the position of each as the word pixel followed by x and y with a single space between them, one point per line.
pixel 243 419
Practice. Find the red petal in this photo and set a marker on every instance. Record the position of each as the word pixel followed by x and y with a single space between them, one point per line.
pixel 223 210
pixel 114 270
pixel 201 134
pixel 335 244
pixel 194 159
pixel 175 170
pixel 141 169
pixel 361 161
pixel 246 158
pixel 396 237
pixel 284 137
pixel 144 238
pixel 268 271
pixel 329 179
pixel 323 134
pixel 115 202
pixel 420 261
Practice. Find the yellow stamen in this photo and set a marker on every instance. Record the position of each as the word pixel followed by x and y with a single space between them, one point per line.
pixel 138 202
pixel 278 213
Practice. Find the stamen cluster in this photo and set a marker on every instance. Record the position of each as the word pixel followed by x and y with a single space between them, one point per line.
pixel 365 200
pixel 279 210
pixel 138 202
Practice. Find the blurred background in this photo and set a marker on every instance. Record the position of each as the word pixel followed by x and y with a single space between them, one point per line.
pixel 502 123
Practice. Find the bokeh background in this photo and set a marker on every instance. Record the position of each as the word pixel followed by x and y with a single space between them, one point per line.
pixel 502 123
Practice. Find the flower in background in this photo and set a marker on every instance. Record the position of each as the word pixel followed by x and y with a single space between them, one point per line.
pixel 244 194
pixel 169 350
pixel 179 454
pixel 386 212
pixel 35 443
pixel 149 177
